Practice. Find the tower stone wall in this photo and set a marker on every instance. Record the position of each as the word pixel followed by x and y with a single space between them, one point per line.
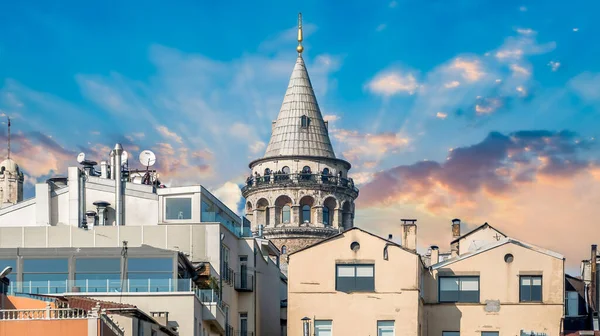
pixel 11 183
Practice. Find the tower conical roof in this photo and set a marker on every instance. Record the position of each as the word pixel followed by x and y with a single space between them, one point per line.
pixel 291 135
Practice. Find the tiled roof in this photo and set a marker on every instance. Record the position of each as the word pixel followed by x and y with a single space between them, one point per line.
pixel 288 137
pixel 88 304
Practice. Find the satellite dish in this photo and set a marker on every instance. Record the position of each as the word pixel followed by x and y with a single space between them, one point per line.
pixel 147 158
pixel 81 157
pixel 137 179
pixel 124 157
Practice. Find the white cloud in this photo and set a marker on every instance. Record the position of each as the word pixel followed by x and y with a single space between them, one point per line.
pixel 519 70
pixel 230 194
pixel 165 132
pixel 389 83
pixel 575 29
pixel 441 115
pixel 523 9
pixel 554 65
pixel 586 85
pixel 381 27
pixel 393 4
pixel 470 69
pixel 526 31
pixel 452 84
pixel 257 147
pixel 331 117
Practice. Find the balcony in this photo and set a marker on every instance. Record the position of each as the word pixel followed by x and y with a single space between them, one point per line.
pixel 300 180
pixel 101 286
pixel 244 282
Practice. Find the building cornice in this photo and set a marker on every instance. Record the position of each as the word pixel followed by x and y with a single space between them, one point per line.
pixel 346 164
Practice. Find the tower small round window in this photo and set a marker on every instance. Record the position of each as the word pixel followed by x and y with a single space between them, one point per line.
pixel 283 249
pixel 508 258
pixel 355 246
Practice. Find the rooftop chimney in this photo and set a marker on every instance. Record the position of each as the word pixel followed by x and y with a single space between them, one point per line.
pixel 594 282
pixel 455 228
pixel 409 234
pixel 118 184
pixel 435 255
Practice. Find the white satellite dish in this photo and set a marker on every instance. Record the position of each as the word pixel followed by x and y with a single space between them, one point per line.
pixel 124 157
pixel 81 157
pixel 137 179
pixel 147 158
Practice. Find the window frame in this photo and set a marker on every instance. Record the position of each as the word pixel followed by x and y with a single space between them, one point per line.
pixel 567 300
pixel 531 277
pixel 326 214
pixel 444 332
pixel 354 290
pixel 381 327
pixel 175 220
pixel 459 277
pixel 330 326
pixel 289 214
pixel 490 333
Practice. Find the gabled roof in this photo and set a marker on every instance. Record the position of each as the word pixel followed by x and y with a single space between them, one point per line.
pixel 288 137
pixel 482 226
pixel 389 242
pixel 490 246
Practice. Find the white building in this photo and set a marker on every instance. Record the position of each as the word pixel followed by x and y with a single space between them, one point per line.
pixel 79 213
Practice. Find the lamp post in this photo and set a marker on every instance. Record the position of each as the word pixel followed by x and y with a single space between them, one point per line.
pixel 306 326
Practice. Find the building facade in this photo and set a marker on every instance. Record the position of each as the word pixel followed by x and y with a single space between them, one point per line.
pixel 361 284
pixel 299 192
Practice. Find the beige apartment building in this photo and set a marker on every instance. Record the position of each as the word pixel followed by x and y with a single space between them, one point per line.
pixel 357 283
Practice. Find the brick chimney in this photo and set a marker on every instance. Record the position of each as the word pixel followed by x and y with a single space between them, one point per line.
pixel 455 228
pixel 594 278
pixel 409 234
pixel 435 255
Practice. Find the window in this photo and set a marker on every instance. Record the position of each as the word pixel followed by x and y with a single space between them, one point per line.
pixel 98 274
pixel 306 213
pixel 385 328
pixel 450 333
pixel 283 249
pixel 355 278
pixel 325 215
pixel 149 274
pixel 178 208
pixel 225 263
pixel 243 324
pixel 285 214
pixel 531 288
pixel 490 333
pixel 572 303
pixel 459 289
pixel 285 170
pixel 45 276
pixel 304 121
pixel 323 328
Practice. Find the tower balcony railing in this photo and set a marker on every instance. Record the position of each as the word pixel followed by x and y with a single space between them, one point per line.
pixel 298 179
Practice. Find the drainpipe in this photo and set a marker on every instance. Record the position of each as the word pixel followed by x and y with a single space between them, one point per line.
pixel 118 184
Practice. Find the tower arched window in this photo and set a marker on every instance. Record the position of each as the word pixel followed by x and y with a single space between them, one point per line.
pixel 304 121
pixel 283 249
pixel 285 170
pixel 326 216
pixel 306 213
pixel 285 214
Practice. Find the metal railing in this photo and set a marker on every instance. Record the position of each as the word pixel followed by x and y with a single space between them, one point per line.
pixel 244 282
pixel 101 286
pixel 228 275
pixel 42 314
pixel 300 178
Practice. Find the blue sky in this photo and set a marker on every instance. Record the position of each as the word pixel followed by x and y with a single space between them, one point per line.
pixel 501 98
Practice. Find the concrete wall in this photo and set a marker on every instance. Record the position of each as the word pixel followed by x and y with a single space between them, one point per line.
pixel 21 214
pixel 312 293
pixel 499 281
pixel 268 303
pixel 483 236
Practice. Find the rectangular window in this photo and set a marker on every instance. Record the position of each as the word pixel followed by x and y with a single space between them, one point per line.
pixel 178 208
pixel 490 333
pixel 385 328
pixel 459 289
pixel 531 288
pixel 45 276
pixel 572 303
pixel 355 278
pixel 323 328
pixel 243 324
pixel 450 333
pixel 149 274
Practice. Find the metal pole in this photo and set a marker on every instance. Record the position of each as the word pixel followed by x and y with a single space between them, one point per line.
pixel 118 184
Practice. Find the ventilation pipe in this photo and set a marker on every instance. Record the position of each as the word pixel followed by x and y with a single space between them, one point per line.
pixel 118 184
pixel 81 199
pixel 103 169
pixel 435 255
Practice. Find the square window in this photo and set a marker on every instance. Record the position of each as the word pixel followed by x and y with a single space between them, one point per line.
pixel 459 289
pixel 178 208
pixel 355 278
pixel 323 327
pixel 530 288
pixel 385 328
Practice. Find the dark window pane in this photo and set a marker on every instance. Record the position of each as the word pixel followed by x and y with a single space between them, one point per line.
pixel 105 265
pixel 525 293
pixel 469 296
pixel 459 289
pixel 150 265
pixel 490 333
pixel 366 284
pixel 46 265
pixel 344 284
pixel 97 276
pixel 536 293
pixel 178 208
pixel 448 296
pixel 12 263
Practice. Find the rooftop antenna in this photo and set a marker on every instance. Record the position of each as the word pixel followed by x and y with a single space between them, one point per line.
pixel 147 158
pixel 8 137
pixel 300 48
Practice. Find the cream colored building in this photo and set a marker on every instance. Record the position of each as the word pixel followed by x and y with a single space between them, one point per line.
pixel 357 283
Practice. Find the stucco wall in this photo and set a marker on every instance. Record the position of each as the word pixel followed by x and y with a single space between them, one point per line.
pixel 480 237
pixel 311 287
pixel 41 327
pixel 268 302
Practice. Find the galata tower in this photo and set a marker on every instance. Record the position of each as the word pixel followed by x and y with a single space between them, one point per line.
pixel 299 193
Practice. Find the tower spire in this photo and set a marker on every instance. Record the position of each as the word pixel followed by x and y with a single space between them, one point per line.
pixel 8 137
pixel 300 48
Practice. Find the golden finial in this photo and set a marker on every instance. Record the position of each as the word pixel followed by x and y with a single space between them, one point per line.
pixel 300 48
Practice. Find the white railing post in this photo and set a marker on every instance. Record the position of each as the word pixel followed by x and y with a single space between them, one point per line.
pixel 107 286
pixel 170 283
pixel 48 287
pixel 87 285
pixel 128 286
pixel 47 310
pixel 148 285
